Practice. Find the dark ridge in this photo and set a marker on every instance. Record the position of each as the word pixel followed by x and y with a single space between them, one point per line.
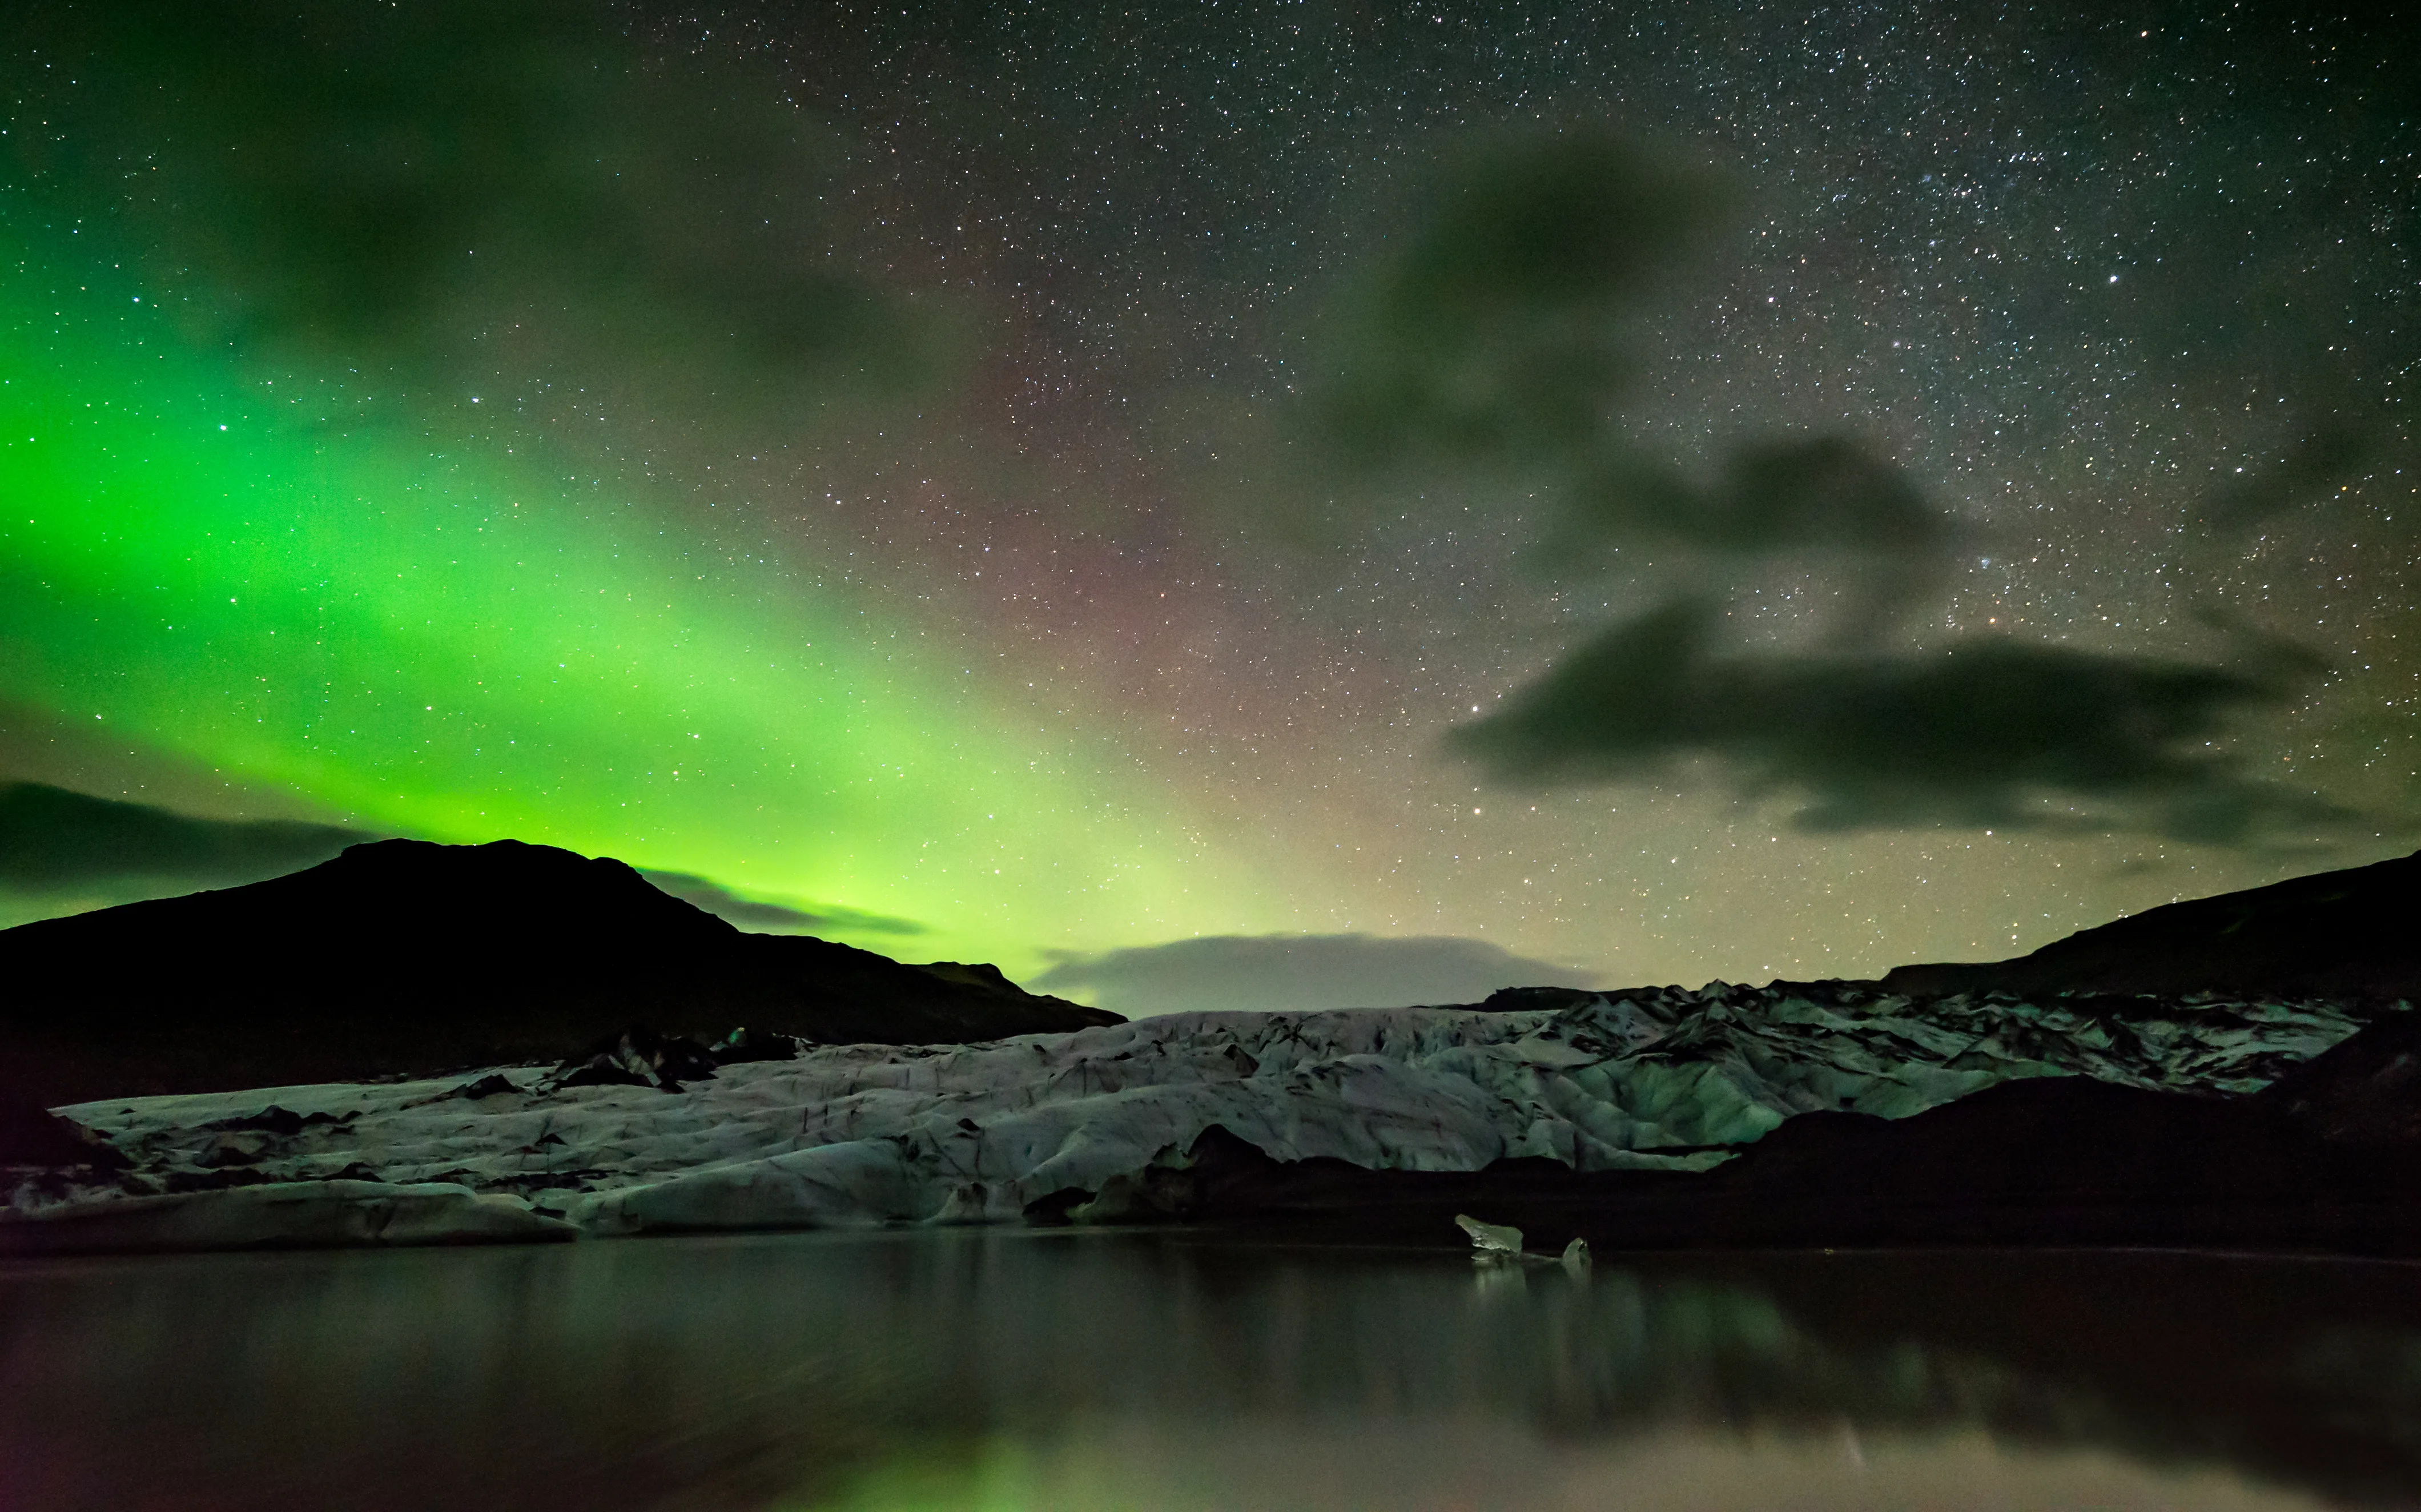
pixel 1527 999
pixel 403 958
pixel 2340 934
pixel 32 1135
pixel 2365 1091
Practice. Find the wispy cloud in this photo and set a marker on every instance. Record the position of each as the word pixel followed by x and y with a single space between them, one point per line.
pixel 499 190
pixel 56 841
pixel 1328 971
pixel 776 918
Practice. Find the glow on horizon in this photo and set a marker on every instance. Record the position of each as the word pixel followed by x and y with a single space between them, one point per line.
pixel 456 640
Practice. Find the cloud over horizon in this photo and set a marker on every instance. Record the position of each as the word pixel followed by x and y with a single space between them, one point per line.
pixel 58 842
pixel 1300 972
pixel 759 916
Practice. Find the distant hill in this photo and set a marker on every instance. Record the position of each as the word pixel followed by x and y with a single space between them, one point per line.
pixel 400 955
pixel 2345 934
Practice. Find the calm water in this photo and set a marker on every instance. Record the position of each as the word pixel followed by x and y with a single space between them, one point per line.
pixel 1079 1370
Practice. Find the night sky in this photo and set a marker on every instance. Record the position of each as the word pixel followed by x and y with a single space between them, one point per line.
pixel 1660 492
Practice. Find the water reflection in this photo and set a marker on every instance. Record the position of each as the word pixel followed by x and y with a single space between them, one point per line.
pixel 987 1369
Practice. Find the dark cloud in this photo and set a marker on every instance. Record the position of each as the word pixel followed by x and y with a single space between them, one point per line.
pixel 1501 339
pixel 1823 500
pixel 1495 344
pixel 2311 471
pixel 1503 329
pixel 55 841
pixel 1816 493
pixel 457 188
pixel 1328 971
pixel 1984 733
pixel 775 918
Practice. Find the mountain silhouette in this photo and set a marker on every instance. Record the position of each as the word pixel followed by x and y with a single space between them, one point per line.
pixel 402 957
pixel 2354 933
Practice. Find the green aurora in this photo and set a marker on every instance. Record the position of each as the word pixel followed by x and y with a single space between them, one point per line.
pixel 467 641
pixel 890 463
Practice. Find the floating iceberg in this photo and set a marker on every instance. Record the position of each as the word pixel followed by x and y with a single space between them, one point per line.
pixel 1490 1239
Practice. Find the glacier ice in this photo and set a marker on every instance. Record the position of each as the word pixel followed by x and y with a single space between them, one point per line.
pixel 867 1134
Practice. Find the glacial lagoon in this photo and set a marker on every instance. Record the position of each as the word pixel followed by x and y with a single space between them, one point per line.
pixel 1003 1369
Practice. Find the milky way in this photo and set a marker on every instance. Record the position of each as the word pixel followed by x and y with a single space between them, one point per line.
pixel 932 524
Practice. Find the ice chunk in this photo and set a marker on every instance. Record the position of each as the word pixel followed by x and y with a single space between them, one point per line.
pixel 1494 1238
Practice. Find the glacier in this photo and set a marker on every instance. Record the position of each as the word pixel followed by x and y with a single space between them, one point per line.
pixel 843 1135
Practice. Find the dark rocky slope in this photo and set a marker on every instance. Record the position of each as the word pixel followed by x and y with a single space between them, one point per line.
pixel 2354 933
pixel 406 957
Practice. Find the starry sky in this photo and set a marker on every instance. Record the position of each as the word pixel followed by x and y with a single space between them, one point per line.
pixel 1361 499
